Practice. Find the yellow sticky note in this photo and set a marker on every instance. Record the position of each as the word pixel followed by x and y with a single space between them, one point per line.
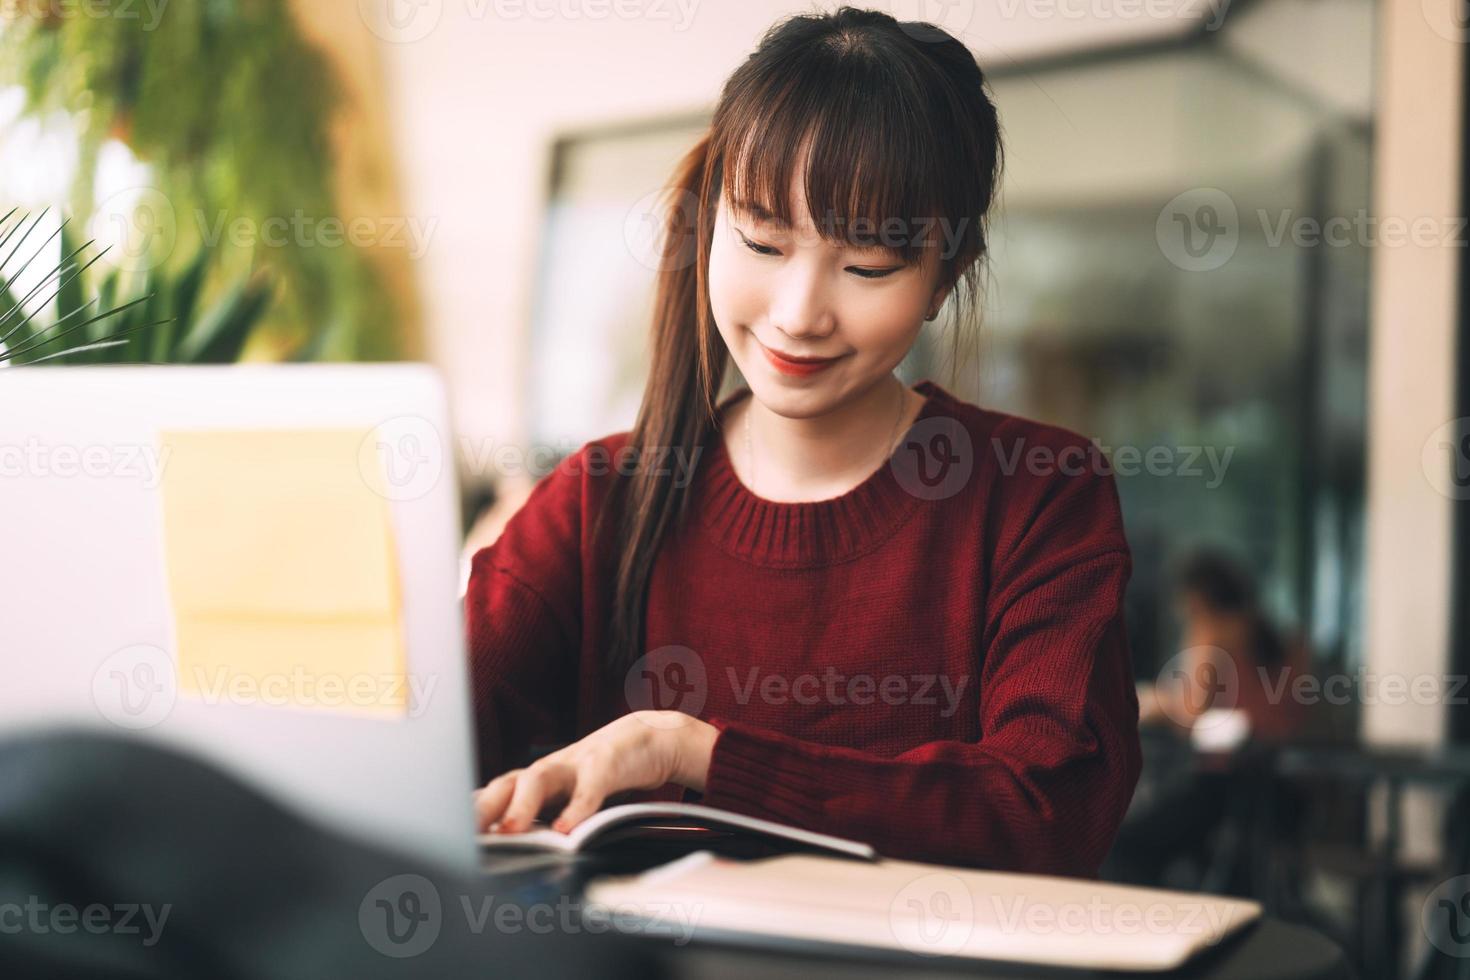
pixel 282 570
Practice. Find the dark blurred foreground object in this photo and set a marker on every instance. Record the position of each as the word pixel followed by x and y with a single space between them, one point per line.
pixel 122 859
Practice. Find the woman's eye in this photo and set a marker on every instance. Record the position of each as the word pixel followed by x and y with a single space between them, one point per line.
pixel 756 247
pixel 859 271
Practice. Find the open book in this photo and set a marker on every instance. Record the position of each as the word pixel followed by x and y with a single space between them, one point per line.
pixel 632 819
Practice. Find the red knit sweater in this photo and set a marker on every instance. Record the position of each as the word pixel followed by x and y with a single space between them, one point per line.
pixel 934 662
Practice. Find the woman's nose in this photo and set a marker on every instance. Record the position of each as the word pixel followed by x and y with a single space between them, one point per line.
pixel 801 306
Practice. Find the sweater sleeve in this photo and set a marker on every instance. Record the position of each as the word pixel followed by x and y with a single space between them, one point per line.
pixel 523 623
pixel 1045 787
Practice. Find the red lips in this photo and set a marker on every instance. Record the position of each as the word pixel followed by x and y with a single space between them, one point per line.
pixel 797 367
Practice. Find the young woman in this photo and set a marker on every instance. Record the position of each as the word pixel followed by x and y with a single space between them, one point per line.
pixel 873 610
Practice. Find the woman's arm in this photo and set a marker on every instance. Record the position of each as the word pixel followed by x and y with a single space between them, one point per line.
pixel 523 623
pixel 1045 788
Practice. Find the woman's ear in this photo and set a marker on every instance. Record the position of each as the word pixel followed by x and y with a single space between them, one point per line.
pixel 941 293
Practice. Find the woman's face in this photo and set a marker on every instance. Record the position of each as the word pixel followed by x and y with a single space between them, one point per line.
pixel 786 290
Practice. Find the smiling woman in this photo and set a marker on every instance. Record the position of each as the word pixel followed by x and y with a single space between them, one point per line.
pixel 794 283
pixel 675 634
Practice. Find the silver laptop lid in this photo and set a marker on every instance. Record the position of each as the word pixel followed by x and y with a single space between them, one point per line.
pixel 256 563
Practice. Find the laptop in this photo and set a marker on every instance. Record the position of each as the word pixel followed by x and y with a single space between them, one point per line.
pixel 257 564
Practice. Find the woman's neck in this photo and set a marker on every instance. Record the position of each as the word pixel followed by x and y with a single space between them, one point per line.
pixel 808 459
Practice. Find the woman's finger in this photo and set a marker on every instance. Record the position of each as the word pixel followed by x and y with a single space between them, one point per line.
pixel 587 797
pixel 535 787
pixel 491 801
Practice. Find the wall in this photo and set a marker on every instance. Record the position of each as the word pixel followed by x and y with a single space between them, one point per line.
pixel 1411 365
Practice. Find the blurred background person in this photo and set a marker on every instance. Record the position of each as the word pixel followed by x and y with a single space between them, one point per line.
pixel 1235 667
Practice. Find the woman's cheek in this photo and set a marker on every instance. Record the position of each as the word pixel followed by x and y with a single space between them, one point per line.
pixel 876 327
pixel 735 301
pixel 719 286
pixel 888 320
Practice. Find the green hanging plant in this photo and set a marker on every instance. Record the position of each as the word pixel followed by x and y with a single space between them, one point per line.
pixel 230 108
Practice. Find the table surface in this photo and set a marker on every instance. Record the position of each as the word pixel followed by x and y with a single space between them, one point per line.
pixel 1268 950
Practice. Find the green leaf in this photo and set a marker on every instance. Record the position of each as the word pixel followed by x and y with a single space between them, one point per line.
pixel 67 336
pixel 135 350
pixel 186 293
pixel 77 323
pixel 69 286
pixel 220 335
pixel 20 336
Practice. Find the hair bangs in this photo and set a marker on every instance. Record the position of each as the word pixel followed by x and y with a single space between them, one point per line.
pixel 837 121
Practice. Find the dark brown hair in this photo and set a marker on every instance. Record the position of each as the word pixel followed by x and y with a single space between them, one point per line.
pixel 1225 586
pixel 890 121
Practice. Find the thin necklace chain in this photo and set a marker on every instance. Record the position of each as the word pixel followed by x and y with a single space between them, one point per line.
pixel 750 453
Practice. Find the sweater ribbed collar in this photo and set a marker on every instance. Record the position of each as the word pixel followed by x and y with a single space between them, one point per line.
pixel 797 534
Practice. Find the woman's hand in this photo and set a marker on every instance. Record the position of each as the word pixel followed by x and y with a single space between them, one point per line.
pixel 641 750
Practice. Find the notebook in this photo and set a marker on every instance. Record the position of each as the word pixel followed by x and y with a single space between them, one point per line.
pixel 664 819
pixel 924 909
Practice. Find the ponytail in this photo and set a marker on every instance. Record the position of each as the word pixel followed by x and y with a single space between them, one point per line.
pixel 678 409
